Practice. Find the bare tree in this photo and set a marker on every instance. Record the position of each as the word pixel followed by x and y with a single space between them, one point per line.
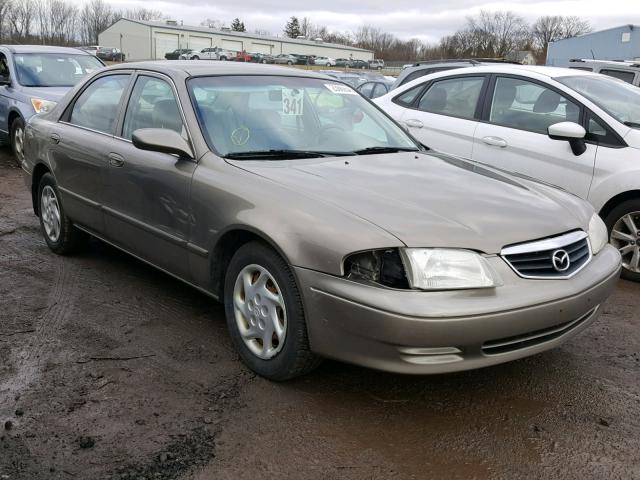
pixel 549 29
pixel 5 6
pixel 21 19
pixel 145 14
pixel 95 17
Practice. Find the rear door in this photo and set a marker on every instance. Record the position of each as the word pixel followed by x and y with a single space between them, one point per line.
pixel 147 193
pixel 513 135
pixel 79 146
pixel 444 114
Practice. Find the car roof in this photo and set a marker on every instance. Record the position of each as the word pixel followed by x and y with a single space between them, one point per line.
pixel 43 49
pixel 199 68
pixel 551 72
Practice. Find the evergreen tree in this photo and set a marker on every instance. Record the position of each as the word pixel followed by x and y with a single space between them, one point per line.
pixel 292 28
pixel 237 25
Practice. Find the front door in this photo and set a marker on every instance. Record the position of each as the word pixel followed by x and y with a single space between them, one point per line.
pixel 147 193
pixel 444 116
pixel 514 136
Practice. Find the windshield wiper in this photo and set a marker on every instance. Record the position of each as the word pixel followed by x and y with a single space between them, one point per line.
pixel 374 150
pixel 632 124
pixel 282 154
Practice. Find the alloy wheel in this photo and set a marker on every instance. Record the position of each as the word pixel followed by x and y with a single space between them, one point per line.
pixel 18 143
pixel 625 236
pixel 50 212
pixel 259 310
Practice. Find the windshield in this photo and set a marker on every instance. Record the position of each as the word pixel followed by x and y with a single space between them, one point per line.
pixel 243 114
pixel 53 69
pixel 617 98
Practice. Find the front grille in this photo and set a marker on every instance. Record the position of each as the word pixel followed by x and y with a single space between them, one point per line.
pixel 536 259
pixel 517 342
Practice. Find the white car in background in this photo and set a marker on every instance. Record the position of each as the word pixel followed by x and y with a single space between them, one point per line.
pixel 325 61
pixel 573 129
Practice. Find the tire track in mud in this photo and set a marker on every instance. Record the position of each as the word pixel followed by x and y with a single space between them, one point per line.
pixel 44 343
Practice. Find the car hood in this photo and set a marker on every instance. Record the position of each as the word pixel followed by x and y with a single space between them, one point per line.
pixel 433 200
pixel 46 93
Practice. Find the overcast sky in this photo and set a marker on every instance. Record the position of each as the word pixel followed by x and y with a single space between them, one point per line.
pixel 424 19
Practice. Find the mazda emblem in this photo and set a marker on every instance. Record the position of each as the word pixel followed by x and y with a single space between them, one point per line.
pixel 561 260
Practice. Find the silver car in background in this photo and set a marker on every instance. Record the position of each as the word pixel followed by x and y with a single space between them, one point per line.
pixel 325 229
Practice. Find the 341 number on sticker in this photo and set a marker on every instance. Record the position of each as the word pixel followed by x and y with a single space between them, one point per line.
pixel 292 101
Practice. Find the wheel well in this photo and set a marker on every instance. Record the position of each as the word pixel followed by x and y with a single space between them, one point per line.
pixel 12 116
pixel 38 172
pixel 617 200
pixel 224 250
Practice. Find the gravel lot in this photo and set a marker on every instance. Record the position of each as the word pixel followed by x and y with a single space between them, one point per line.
pixel 111 370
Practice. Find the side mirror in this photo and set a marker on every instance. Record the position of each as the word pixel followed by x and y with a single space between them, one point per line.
pixel 161 140
pixel 570 132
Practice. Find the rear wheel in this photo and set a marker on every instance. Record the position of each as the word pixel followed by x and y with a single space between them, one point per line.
pixel 623 223
pixel 58 231
pixel 265 315
pixel 17 140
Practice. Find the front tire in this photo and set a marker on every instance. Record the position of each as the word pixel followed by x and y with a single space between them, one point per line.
pixel 17 140
pixel 58 231
pixel 623 224
pixel 265 315
pixel 196 58
pixel 289 62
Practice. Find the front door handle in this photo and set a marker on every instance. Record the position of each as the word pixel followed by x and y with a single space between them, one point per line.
pixel 495 141
pixel 55 138
pixel 413 123
pixel 116 160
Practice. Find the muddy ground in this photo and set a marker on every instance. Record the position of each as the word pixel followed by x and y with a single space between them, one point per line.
pixel 111 370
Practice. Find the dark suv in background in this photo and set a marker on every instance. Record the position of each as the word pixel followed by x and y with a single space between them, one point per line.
pixel 175 55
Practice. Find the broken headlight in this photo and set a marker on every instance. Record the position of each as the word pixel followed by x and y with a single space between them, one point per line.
pixel 383 267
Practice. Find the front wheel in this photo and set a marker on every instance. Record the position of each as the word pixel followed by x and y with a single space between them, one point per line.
pixel 195 58
pixel 17 140
pixel 58 231
pixel 289 62
pixel 265 315
pixel 623 223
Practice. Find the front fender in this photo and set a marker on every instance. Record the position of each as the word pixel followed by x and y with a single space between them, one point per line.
pixel 308 233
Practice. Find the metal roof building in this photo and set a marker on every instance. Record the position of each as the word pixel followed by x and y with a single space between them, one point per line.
pixel 143 40
pixel 619 43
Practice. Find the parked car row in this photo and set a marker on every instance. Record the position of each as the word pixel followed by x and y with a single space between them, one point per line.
pixel 362 245
pixel 484 213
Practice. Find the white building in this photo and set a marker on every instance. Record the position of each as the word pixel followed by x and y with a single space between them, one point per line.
pixel 141 40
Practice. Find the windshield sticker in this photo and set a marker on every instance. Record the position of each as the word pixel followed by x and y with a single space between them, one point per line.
pixel 340 89
pixel 292 101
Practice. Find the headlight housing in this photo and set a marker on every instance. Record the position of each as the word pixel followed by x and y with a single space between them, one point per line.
pixel 598 234
pixel 41 106
pixel 448 269
pixel 423 269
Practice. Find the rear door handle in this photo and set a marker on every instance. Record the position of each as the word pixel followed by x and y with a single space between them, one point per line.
pixel 116 160
pixel 495 141
pixel 55 138
pixel 413 123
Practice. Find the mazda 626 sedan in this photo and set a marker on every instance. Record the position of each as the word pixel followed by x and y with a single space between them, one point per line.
pixel 325 228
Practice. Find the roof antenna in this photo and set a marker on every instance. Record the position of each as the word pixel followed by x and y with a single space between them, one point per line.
pixel 592 55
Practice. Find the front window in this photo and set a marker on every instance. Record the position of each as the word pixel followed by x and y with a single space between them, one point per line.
pixel 53 69
pixel 518 103
pixel 244 114
pixel 618 99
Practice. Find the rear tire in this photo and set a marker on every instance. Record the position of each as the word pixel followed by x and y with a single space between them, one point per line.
pixel 17 140
pixel 624 218
pixel 262 300
pixel 58 231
